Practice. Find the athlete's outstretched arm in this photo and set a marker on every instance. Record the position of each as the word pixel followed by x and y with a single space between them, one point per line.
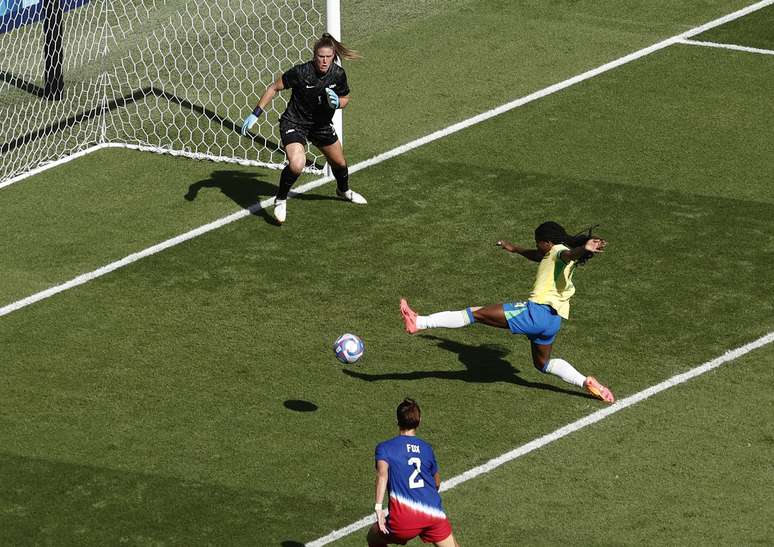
pixel 594 246
pixel 437 480
pixel 532 254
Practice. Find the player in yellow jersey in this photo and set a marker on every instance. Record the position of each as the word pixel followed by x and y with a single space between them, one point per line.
pixel 540 317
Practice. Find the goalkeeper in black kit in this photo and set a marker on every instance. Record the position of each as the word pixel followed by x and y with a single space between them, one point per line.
pixel 318 87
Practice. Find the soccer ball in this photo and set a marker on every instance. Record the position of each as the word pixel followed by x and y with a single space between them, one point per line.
pixel 348 348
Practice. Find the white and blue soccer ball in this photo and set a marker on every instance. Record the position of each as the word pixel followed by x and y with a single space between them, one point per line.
pixel 348 348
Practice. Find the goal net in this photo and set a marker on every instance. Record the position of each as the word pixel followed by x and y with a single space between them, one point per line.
pixel 169 76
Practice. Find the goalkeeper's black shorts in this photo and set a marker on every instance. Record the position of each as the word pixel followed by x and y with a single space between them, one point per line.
pixel 318 135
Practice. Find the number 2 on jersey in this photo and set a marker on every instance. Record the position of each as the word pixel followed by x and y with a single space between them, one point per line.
pixel 415 482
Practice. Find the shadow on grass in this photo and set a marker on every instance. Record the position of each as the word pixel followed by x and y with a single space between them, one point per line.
pixel 246 190
pixel 484 363
pixel 25 85
pixel 299 405
pixel 49 502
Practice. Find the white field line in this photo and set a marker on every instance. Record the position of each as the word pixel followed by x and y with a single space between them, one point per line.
pixel 560 86
pixel 566 430
pixel 49 165
pixel 134 257
pixel 84 278
pixel 143 148
pixel 728 46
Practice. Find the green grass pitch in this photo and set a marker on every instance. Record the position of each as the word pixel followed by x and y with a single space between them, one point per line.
pixel 153 405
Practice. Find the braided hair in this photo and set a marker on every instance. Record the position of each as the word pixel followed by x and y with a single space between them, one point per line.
pixel 555 233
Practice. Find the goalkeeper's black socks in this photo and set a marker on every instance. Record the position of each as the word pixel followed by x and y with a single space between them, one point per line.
pixel 287 180
pixel 341 175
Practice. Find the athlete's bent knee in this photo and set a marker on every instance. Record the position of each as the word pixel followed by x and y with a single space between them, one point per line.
pixel 540 356
pixel 296 166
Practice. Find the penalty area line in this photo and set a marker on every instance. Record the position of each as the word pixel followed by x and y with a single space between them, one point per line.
pixel 86 277
pixel 593 418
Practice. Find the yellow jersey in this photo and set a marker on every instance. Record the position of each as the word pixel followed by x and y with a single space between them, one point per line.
pixel 553 283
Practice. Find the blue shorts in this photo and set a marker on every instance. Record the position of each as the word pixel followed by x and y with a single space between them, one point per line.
pixel 539 322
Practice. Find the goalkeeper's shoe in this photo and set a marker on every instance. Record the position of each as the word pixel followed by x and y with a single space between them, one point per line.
pixel 351 195
pixel 598 390
pixel 409 317
pixel 280 210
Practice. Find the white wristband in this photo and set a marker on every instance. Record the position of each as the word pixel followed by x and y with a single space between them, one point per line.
pixel 378 507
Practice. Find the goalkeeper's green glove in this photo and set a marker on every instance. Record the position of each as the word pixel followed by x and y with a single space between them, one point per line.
pixel 251 119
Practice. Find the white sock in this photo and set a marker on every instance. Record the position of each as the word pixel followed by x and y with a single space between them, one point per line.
pixel 565 371
pixel 445 319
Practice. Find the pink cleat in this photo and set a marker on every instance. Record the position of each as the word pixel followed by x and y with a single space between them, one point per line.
pixel 598 390
pixel 409 317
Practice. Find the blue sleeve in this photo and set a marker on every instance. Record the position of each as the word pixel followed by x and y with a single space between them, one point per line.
pixel 380 453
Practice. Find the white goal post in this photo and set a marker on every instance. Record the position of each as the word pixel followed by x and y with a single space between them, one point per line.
pixel 167 76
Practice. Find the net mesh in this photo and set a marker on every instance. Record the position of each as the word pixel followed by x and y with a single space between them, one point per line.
pixel 171 76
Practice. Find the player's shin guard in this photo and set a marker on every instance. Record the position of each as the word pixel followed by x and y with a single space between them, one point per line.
pixel 341 174
pixel 446 320
pixel 287 180
pixel 565 371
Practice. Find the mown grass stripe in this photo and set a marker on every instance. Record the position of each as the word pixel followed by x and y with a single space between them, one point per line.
pixel 86 277
pixel 562 432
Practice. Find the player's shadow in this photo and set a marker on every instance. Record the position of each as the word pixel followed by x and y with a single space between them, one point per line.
pixel 484 363
pixel 245 189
